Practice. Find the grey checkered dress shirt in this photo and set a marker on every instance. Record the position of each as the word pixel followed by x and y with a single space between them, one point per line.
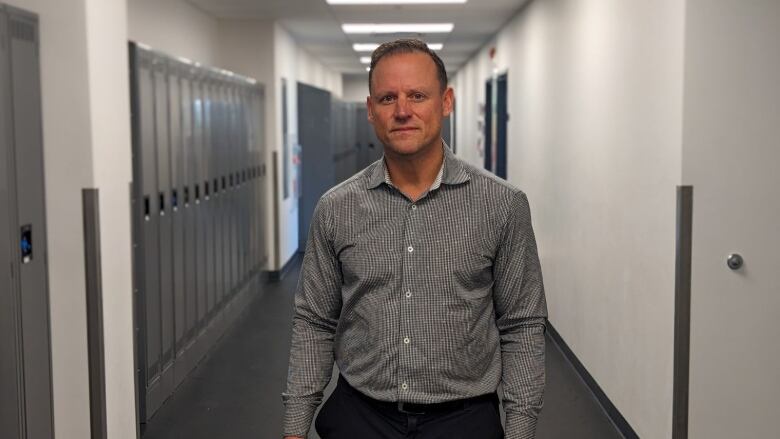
pixel 420 301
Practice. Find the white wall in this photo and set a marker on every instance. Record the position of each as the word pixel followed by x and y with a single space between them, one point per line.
pixel 355 88
pixel 175 27
pixel 595 103
pixel 295 65
pixel 112 174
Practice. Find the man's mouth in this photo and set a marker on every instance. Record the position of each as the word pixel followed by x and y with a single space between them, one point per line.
pixel 403 129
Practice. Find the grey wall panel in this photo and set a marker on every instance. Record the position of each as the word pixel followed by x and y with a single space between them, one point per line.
pixel 190 178
pixel 166 215
pixel 177 205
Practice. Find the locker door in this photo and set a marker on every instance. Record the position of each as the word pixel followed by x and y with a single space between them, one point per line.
pixel 235 212
pixel 147 209
pixel 222 139
pixel 162 139
pixel 246 163
pixel 261 151
pixel 208 164
pixel 203 204
pixel 190 217
pixel 11 397
pixel 27 221
pixel 176 203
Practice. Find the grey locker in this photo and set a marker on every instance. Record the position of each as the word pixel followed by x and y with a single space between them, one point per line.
pixel 176 206
pixel 162 138
pixel 202 201
pixel 210 166
pixel 145 176
pixel 190 178
pixel 193 209
pixel 25 354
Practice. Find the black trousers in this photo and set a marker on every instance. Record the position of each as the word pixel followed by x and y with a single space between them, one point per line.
pixel 348 414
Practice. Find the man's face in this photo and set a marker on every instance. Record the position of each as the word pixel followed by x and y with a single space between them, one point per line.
pixel 406 105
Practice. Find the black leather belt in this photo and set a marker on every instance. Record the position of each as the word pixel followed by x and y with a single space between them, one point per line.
pixel 419 409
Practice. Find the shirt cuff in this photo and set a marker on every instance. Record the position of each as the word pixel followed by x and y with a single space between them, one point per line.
pixel 520 427
pixel 297 418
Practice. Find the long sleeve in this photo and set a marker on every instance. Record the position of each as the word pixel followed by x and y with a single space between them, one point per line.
pixel 521 312
pixel 317 308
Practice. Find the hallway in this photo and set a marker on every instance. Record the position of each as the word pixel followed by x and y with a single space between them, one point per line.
pixel 235 391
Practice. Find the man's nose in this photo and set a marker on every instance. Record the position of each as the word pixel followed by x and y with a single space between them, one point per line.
pixel 401 108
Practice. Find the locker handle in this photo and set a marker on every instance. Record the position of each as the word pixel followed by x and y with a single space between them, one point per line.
pixel 197 194
pixel 206 189
pixel 175 200
pixel 162 203
pixel 230 181
pixel 216 186
pixel 146 208
pixel 186 196
pixel 224 181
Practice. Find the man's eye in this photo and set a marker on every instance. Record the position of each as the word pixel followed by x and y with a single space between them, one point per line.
pixel 418 96
pixel 386 99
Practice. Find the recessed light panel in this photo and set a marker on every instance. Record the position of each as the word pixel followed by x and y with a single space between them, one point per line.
pixel 394 2
pixel 397 28
pixel 369 47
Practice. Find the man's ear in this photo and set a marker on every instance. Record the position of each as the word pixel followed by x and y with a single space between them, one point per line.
pixel 448 99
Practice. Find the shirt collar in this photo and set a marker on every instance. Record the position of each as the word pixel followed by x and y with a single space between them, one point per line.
pixel 452 172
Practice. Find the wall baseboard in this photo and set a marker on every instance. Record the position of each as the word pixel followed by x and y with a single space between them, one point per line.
pixel 612 412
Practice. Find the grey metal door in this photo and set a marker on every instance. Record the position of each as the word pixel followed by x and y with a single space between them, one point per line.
pixel 317 167
pixel 25 358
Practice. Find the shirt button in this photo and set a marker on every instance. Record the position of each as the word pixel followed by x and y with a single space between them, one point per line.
pixel 404 386
pixel 414 207
pixel 408 294
pixel 406 340
pixel 411 249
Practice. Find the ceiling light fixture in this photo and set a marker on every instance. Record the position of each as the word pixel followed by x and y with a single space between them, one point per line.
pixel 373 28
pixel 394 2
pixel 365 59
pixel 369 47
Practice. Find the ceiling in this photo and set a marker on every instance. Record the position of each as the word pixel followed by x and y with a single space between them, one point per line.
pixel 316 25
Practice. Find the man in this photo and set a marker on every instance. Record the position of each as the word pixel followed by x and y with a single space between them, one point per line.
pixel 421 279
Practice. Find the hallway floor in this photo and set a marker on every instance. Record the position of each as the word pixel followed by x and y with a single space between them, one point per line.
pixel 235 392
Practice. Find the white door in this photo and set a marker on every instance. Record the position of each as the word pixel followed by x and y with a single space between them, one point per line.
pixel 731 156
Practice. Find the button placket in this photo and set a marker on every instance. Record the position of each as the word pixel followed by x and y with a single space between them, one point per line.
pixel 408 268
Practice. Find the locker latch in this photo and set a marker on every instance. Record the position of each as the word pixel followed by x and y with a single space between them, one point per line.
pixel 26 244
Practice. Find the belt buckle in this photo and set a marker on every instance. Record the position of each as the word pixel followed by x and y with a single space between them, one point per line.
pixel 402 409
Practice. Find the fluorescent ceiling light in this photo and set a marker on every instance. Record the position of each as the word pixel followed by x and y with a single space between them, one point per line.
pixel 394 2
pixel 369 47
pixel 365 59
pixel 374 28
pixel 368 69
pixel 365 47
